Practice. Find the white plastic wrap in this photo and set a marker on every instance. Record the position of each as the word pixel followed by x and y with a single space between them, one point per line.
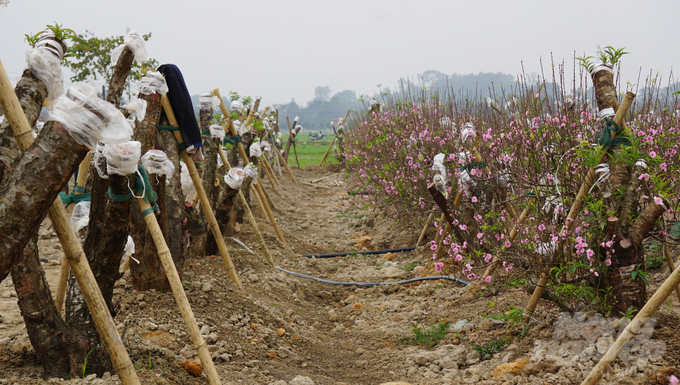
pixel 50 43
pixel 546 249
pixel 266 146
pixel 38 125
pixel 251 171
pixel 255 149
pixel 440 184
pixel 446 122
pixel 185 180
pixel 100 161
pixel 136 43
pixel 606 113
pixel 219 161
pixel 127 252
pixel 298 129
pixel 122 158
pixel 137 108
pixel 3 3
pixel 641 163
pixel 234 177
pixel 468 131
pixel 47 67
pixel 236 106
pixel 208 102
pixel 156 162
pixel 153 82
pixel 438 165
pixel 466 178
pixel 240 128
pixel 90 119
pixel 80 216
pixel 217 132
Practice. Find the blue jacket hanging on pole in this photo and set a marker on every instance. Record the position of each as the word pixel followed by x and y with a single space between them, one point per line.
pixel 180 100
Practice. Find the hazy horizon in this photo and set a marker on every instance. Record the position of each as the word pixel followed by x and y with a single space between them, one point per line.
pixel 283 50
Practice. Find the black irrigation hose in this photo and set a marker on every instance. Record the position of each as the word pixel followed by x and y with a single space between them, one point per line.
pixel 357 252
pixel 433 278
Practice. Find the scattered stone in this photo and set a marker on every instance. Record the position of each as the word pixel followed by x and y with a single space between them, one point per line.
pixel 472 357
pixel 207 287
pixel 357 306
pixel 205 330
pixel 301 380
pixel 513 368
pixel 363 242
pixel 272 355
pixel 389 256
pixel 281 331
pixel 151 326
pixel 54 262
pixel 332 315
pixel 393 272
pixel 193 368
pixel 254 326
pixel 418 271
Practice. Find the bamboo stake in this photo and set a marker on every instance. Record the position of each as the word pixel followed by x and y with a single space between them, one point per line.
pixel 426 227
pixel 263 200
pixel 320 179
pixel 576 207
pixel 634 326
pixel 291 134
pixel 212 221
pixel 315 185
pixel 71 246
pixel 513 234
pixel 671 264
pixel 178 290
pixel 270 172
pixel 440 235
pixel 65 267
pixel 249 214
pixel 333 140
pixel 285 165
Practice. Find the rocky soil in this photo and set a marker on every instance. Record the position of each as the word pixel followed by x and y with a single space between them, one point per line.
pixel 284 329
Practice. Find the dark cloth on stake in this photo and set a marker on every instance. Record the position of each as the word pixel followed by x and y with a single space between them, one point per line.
pixel 180 100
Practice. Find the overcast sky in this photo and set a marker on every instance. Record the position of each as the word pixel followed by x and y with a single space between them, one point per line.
pixel 284 49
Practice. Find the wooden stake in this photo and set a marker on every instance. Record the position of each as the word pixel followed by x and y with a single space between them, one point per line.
pixel 73 252
pixel 430 218
pixel 249 214
pixel 263 201
pixel 270 172
pixel 212 221
pixel 285 165
pixel 634 326
pixel 513 235
pixel 320 179
pixel 315 185
pixel 438 237
pixel 178 291
pixel 576 206
pixel 671 264
pixel 333 141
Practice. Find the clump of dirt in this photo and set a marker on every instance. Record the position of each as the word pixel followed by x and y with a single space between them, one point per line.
pixel 283 328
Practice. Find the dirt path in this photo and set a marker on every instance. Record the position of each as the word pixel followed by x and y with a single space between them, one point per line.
pixel 283 329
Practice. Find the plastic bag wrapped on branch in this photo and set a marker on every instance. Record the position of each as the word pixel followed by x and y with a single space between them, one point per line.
pixel 80 216
pixel 137 108
pixel 136 43
pixel 234 177
pixel 236 106
pixel 208 102
pixel 255 149
pixel 251 171
pixel 185 180
pixel 45 63
pixel 217 132
pixel 100 160
pixel 90 119
pixel 153 82
pixel 122 158
pixel 157 162
pixel 468 131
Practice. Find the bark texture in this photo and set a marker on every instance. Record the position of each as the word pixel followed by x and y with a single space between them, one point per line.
pixel 605 90
pixel 120 74
pixel 31 188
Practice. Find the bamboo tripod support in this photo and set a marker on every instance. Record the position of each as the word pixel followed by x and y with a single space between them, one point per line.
pixel 634 326
pixel 328 150
pixel 263 199
pixel 212 221
pixel 270 172
pixel 178 291
pixel 285 165
pixel 65 267
pixel 576 207
pixel 426 227
pixel 513 234
pixel 291 134
pixel 73 251
pixel 249 214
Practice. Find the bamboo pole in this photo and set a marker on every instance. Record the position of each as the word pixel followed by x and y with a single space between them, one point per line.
pixel 291 134
pixel 576 206
pixel 73 251
pixel 65 270
pixel 285 165
pixel 671 264
pixel 325 177
pixel 634 326
pixel 269 171
pixel 178 291
pixel 440 235
pixel 212 221
pixel 426 227
pixel 513 234
pixel 249 213
pixel 263 200
pixel 333 140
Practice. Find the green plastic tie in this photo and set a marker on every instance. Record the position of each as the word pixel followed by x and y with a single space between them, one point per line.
pixel 67 199
pixel 606 140
pixel 142 185
pixel 205 132
pixel 167 128
pixel 232 139
pixel 119 198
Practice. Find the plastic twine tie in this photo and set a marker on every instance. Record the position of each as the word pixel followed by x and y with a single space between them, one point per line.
pixel 72 197
pixel 142 190
pixel 606 135
pixel 205 132
pixel 232 139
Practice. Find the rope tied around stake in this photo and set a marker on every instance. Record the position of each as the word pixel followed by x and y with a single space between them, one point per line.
pixel 606 135
pixel 142 190
pixel 472 165
pixel 182 146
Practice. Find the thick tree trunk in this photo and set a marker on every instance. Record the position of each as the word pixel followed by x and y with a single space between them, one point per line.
pixel 227 198
pixel 32 187
pixel 60 350
pixel 120 74
pixel 605 90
